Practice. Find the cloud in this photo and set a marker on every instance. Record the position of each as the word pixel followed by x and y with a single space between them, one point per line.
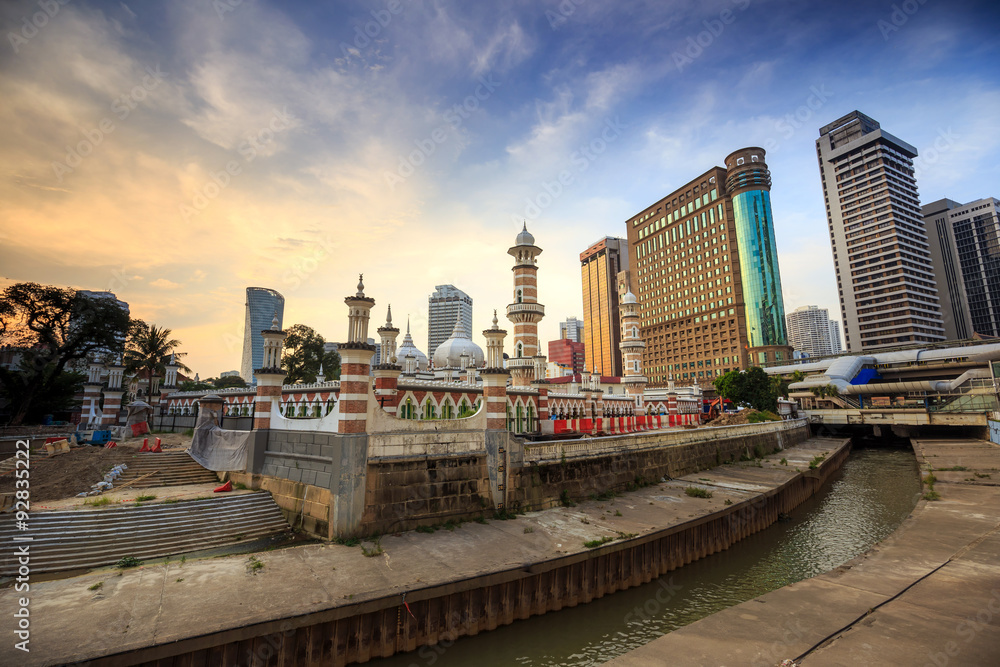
pixel 163 283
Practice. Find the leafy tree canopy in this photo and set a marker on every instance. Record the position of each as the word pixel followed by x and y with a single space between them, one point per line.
pixel 229 381
pixel 303 355
pixel 751 388
pixel 149 349
pixel 53 329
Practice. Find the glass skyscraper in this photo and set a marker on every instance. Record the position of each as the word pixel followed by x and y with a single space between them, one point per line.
pixel 748 182
pixel 262 305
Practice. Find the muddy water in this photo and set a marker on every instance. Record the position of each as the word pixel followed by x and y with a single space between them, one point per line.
pixel 863 503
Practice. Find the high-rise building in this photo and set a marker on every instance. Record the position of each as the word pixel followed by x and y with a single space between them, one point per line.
pixel 444 306
pixel 262 306
pixel 600 265
pixel 811 330
pixel 965 246
pixel 704 267
pixel 835 343
pixel 569 353
pixel 572 329
pixel 881 256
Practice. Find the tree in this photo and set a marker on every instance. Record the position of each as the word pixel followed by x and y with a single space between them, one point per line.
pixel 304 354
pixel 750 388
pixel 191 385
pixel 53 329
pixel 149 349
pixel 229 381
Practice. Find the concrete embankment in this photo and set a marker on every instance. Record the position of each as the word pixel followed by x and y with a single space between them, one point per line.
pixel 927 595
pixel 330 604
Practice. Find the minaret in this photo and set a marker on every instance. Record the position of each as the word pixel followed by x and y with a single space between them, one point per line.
pixel 495 377
pixel 525 312
pixel 355 363
pixel 387 372
pixel 632 346
pixel 270 376
pixel 113 394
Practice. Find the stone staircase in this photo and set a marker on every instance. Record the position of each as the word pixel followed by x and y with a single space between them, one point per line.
pixel 167 468
pixel 94 538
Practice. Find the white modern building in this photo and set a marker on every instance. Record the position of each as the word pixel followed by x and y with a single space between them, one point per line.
pixel 446 305
pixel 885 277
pixel 810 330
pixel 572 329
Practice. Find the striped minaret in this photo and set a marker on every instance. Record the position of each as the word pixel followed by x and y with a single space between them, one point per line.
pixel 355 363
pixel 270 376
pixel 632 346
pixel 525 312
pixel 387 372
pixel 495 377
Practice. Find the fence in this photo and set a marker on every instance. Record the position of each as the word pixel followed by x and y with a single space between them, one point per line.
pixel 173 423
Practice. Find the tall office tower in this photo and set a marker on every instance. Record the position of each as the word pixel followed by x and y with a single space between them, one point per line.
pixel 600 265
pixel 567 352
pixel 705 270
pixel 965 246
pixel 886 280
pixel 572 329
pixel 835 344
pixel 811 330
pixel 262 305
pixel 444 306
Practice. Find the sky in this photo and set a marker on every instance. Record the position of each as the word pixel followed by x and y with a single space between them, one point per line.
pixel 176 153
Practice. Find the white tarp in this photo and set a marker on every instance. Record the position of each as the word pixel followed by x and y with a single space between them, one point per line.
pixel 217 449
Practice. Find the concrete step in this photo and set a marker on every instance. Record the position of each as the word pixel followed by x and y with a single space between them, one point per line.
pixel 69 540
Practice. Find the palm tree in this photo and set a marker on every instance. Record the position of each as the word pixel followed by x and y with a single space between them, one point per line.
pixel 149 348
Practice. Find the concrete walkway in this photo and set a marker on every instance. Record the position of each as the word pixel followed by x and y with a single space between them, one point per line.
pixel 927 595
pixel 107 612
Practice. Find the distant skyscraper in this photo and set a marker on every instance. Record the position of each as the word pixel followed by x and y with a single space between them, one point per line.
pixel 836 345
pixel 261 306
pixel 811 330
pixel 885 277
pixel 965 246
pixel 600 264
pixel 444 306
pixel 572 329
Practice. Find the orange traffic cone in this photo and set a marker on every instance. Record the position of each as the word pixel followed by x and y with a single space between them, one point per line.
pixel 228 486
pixel 145 445
pixel 156 448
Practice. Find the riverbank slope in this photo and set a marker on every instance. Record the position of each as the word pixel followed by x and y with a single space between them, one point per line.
pixel 927 595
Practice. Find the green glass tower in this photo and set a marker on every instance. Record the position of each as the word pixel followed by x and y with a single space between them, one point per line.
pixel 748 183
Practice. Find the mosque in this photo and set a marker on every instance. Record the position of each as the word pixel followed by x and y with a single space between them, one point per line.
pixel 459 376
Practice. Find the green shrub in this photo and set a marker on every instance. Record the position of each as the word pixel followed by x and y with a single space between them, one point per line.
pixel 593 544
pixel 128 561
pixel 565 500
pixel 696 492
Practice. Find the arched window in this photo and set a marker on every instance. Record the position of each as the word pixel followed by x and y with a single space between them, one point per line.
pixel 317 410
pixel 429 411
pixel 329 406
pixel 520 296
pixel 531 417
pixel 520 419
pixel 447 411
pixel 302 410
pixel 463 409
pixel 510 420
pixel 520 351
pixel 408 409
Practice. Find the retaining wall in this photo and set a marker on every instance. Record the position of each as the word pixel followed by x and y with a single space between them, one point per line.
pixel 379 628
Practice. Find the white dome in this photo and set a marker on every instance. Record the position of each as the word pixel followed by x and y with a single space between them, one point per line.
pixel 525 238
pixel 629 298
pixel 449 353
pixel 408 348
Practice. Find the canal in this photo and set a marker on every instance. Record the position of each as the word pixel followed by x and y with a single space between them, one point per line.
pixel 862 504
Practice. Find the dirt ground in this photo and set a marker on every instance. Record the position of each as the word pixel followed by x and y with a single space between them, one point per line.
pixel 68 474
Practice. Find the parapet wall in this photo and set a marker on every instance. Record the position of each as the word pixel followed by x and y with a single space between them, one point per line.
pixel 345 485
pixel 577 469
